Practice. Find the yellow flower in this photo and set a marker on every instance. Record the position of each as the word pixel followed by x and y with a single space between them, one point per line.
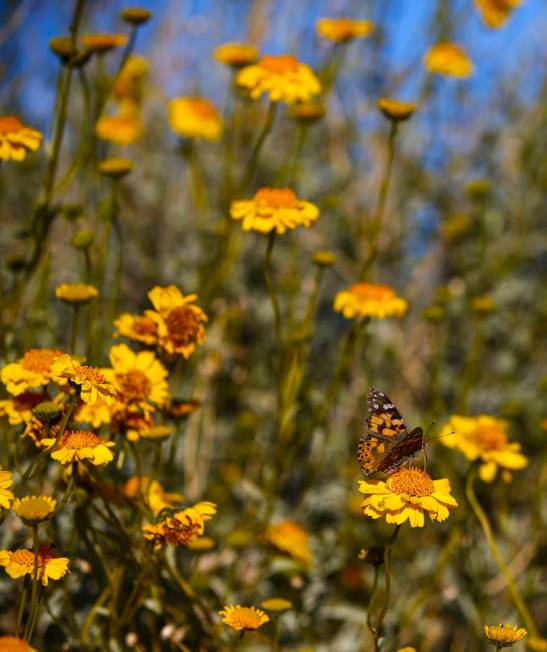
pixel 276 604
pixel 139 328
pixel 138 378
pixel 343 29
pixel 194 117
pixel 34 509
pixel 16 139
pixel 396 110
pixel 485 438
pixel 369 300
pixel 94 415
pixel 19 408
pixel 182 527
pixel 483 305
pixel 448 59
pixel 494 13
pixel 276 209
pixel 407 494
pixel 103 42
pixel 76 292
pixel 21 562
pixel 282 76
pixel 407 649
pixel 536 644
pixel 292 539
pixel 115 167
pixel 34 369
pixel 6 496
pixel 152 493
pixel 236 55
pixel 504 635
pixel 125 128
pixel 128 83
pixel 93 384
pixel 79 445
pixel 307 111
pixel 179 408
pixel 180 324
pixel 14 644
pixel 243 618
pixel 135 15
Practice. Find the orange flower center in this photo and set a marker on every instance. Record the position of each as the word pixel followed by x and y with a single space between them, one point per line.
pixel 412 482
pixel 10 124
pixel 244 618
pixel 490 438
pixel 372 292
pixel 145 326
pixel 276 197
pixel 39 361
pixel 134 384
pixel 280 64
pixel 13 644
pixel 91 373
pixel 78 439
pixel 24 558
pixel 203 109
pixel 182 325
pixel 182 534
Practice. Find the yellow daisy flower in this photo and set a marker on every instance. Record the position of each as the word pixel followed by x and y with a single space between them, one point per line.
pixel 236 55
pixel 504 635
pixel 34 369
pixel 152 493
pixel 180 323
pixel 179 408
pixel 135 15
pixel 16 139
pixel 448 59
pixel 125 128
pixel 6 496
pixel 95 415
pixel 369 300
pixel 92 382
pixel 102 42
pixel 182 527
pixel 139 328
pixel 292 539
pixel 282 77
pixel 407 494
pixel 276 604
pixel 243 618
pixel 19 408
pixel 396 110
pixel 129 82
pixel 343 29
pixel 115 167
pixel 79 445
pixel 138 378
pixel 131 420
pixel 76 292
pixel 34 509
pixel 307 112
pixel 194 117
pixel 272 209
pixel 485 438
pixel 21 562
pixel 494 13
pixel 14 644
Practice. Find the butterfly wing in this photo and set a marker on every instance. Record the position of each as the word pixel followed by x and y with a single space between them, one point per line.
pixel 402 452
pixel 384 418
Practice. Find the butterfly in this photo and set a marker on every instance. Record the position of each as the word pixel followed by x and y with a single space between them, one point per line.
pixel 387 443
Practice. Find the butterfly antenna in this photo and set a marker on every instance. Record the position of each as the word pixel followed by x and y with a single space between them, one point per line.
pixel 445 434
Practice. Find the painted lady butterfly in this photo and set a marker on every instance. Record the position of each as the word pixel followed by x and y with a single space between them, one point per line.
pixel 387 443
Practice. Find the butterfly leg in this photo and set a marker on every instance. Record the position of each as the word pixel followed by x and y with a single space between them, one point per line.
pixel 425 456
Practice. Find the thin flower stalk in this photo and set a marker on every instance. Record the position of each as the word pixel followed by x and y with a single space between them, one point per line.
pixel 253 160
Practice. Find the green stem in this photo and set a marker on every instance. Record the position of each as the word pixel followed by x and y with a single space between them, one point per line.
pixel 251 166
pixel 75 327
pixel 32 617
pixel 266 270
pixel 491 541
pixel 21 609
pixel 387 574
pixel 370 625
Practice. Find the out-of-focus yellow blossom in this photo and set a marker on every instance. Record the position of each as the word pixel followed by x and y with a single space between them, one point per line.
pixel 369 300
pixel 448 59
pixel 343 29
pixel 102 42
pixel 243 618
pixel 504 635
pixel 181 528
pixel 272 209
pixel 34 509
pixel 21 562
pixel 19 408
pixel 94 415
pixel 180 323
pixel 307 111
pixel 34 369
pixel 395 109
pixel 282 77
pixel 179 408
pixel 130 419
pixel 16 139
pixel 407 494
pixel 138 378
pixel 276 604
pixel 80 445
pixel 135 15
pixel 139 328
pixel 292 539
pixel 129 82
pixel 14 644
pixel 484 437
pixel 6 496
pixel 483 305
pixel 406 649
pixel 536 644
pixel 236 55
pixel 93 384
pixel 194 117
pixel 115 167
pixel 494 13
pixel 124 128
pixel 152 493
pixel 76 292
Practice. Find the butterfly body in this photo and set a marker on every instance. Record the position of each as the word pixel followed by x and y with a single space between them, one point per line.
pixel 387 443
